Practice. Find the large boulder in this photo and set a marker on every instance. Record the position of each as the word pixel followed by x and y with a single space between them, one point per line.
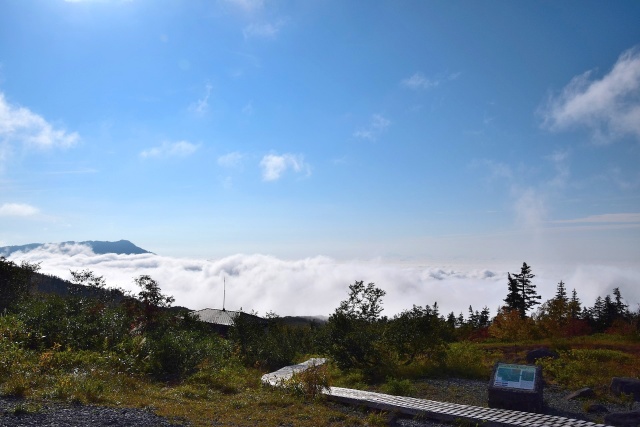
pixel 623 419
pixel 620 385
pixel 539 353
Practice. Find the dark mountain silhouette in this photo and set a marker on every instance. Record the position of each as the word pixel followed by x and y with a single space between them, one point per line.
pixel 123 247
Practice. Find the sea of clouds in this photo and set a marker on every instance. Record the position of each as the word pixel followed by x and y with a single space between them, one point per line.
pixel 316 285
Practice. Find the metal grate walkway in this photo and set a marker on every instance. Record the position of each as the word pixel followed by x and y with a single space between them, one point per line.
pixel 441 411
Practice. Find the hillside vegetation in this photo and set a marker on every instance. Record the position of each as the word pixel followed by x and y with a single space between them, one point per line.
pixel 104 346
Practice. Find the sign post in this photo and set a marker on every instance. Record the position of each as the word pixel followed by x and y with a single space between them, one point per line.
pixel 516 387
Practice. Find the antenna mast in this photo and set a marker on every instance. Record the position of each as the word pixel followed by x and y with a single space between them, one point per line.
pixel 224 292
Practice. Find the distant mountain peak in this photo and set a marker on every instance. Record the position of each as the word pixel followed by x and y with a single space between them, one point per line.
pixel 121 247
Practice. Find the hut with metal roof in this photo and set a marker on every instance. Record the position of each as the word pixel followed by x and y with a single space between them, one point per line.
pixel 221 320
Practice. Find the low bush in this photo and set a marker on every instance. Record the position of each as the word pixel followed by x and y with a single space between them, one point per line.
pixel 398 387
pixel 590 367
pixel 467 360
pixel 310 383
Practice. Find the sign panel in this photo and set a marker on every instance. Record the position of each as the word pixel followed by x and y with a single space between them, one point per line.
pixel 515 376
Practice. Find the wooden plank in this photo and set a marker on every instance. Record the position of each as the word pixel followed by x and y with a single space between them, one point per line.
pixel 441 411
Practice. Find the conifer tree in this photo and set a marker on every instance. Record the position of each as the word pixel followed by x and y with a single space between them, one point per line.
pixel 574 305
pixel 514 299
pixel 620 307
pixel 522 293
pixel 561 292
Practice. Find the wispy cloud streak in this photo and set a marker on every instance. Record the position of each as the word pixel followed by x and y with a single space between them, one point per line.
pixel 201 106
pixel 17 210
pixel 419 81
pixel 376 126
pixel 170 149
pixel 616 218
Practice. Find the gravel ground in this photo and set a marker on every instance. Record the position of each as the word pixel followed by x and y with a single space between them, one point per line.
pixel 53 414
pixel 469 392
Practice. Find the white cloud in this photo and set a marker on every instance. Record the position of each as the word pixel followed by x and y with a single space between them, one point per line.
pixel 171 149
pixel 530 207
pixel 262 30
pixel 97 1
pixel 247 110
pixel 273 165
pixel 230 160
pixel 201 106
pixel 419 81
pixel 376 126
pixel 559 160
pixel 625 181
pixel 617 218
pixel 21 125
pixel 608 107
pixel 17 209
pixel 497 171
pixel 247 5
pixel 316 285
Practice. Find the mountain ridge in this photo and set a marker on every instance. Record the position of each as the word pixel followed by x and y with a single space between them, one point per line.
pixel 99 247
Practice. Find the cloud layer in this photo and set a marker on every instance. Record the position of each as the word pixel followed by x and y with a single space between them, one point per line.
pixel 608 107
pixel 316 285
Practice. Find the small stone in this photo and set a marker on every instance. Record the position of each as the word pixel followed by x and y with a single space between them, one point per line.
pixel 596 408
pixel 539 353
pixel 583 392
pixel 623 419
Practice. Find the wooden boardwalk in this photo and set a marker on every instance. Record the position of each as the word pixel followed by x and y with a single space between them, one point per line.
pixel 441 411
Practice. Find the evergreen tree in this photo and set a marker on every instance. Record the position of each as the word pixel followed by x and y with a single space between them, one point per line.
pixel 451 320
pixel 484 320
pixel 513 300
pixel 597 314
pixel 574 305
pixel 473 318
pixel 522 293
pixel 621 308
pixel 561 292
pixel 609 312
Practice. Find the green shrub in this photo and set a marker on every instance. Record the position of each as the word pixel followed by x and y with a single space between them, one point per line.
pixel 466 360
pixel 17 385
pixel 230 379
pixel 589 367
pixel 310 383
pixel 176 353
pixel 398 387
pixel 80 387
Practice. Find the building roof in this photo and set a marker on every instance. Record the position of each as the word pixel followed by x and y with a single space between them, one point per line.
pixel 216 316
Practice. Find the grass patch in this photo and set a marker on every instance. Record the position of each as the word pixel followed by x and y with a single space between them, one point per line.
pixel 467 360
pixel 398 387
pixel 593 368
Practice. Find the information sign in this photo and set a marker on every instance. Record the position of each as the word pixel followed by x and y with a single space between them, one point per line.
pixel 515 376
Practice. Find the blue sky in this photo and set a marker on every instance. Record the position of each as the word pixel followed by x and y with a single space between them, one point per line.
pixel 473 132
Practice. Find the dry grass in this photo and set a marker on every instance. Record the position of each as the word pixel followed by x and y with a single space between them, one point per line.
pixel 201 400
